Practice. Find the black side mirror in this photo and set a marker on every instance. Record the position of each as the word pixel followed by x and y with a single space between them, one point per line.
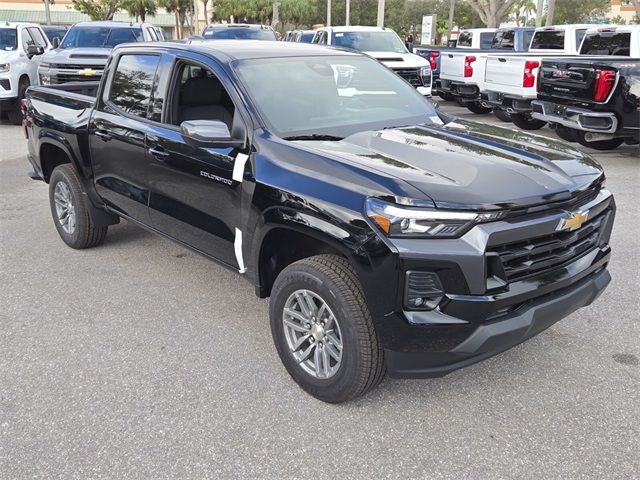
pixel 33 50
pixel 55 43
pixel 208 132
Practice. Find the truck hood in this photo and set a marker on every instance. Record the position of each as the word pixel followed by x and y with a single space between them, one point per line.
pixel 467 165
pixel 78 56
pixel 8 56
pixel 399 60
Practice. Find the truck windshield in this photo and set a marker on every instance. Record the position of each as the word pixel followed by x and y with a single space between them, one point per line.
pixel 357 93
pixel 548 40
pixel 8 39
pixel 240 33
pixel 100 37
pixel 369 41
pixel 607 43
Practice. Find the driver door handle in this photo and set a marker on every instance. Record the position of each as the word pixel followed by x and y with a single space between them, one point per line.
pixel 159 152
pixel 103 135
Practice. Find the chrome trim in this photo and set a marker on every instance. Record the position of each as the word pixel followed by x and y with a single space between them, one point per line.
pixel 574 122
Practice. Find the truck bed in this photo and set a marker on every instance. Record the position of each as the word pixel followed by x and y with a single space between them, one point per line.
pixel 66 104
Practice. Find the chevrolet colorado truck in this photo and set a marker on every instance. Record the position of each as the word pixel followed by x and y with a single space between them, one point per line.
pixel 511 80
pixel 594 99
pixel 388 236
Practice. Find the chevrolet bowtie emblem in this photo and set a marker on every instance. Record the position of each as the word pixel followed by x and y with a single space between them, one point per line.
pixel 574 222
pixel 87 72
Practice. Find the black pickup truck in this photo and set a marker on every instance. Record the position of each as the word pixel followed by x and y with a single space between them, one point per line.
pixel 594 100
pixel 390 237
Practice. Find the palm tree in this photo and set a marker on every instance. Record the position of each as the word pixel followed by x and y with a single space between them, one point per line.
pixel 140 8
pixel 523 8
pixel 180 8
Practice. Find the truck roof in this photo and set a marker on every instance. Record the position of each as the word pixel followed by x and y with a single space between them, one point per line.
pixel 244 49
pixel 357 28
pixel 567 27
pixel 617 28
pixel 17 24
pixel 110 23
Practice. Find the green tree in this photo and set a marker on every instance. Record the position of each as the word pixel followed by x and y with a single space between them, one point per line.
pixel 139 9
pixel 98 9
pixel 492 12
pixel 579 11
pixel 521 11
pixel 180 8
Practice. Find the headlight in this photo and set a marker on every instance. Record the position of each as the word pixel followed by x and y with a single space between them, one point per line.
pixel 425 76
pixel 5 67
pixel 397 220
pixel 44 65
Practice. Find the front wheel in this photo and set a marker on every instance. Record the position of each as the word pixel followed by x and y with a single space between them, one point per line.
pixel 71 217
pixel 323 331
pixel 526 122
pixel 610 144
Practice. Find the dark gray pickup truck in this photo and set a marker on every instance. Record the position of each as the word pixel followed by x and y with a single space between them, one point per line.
pixel 390 237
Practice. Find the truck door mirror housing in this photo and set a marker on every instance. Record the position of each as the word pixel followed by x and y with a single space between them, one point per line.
pixel 208 132
pixel 33 50
pixel 55 43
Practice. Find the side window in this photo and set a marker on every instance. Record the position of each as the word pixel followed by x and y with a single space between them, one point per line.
pixel 37 37
pixel 579 36
pixel 27 41
pixel 197 94
pixel 132 83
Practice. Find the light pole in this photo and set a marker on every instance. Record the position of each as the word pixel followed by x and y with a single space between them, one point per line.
pixel 196 20
pixel 47 11
pixel 328 13
pixel 347 12
pixel 381 13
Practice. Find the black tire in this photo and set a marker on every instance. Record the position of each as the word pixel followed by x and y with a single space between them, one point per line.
pixel 15 114
pixel 478 109
pixel 610 144
pixel 567 134
pixel 84 234
pixel 502 115
pixel 526 122
pixel 334 280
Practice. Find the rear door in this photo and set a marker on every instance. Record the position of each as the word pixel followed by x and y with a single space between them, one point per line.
pixel 117 132
pixel 195 189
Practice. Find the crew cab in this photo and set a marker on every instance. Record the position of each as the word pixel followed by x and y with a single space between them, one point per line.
pixel 594 99
pixel 21 48
pixel 489 40
pixel 389 237
pixel 511 80
pixel 384 45
pixel 83 53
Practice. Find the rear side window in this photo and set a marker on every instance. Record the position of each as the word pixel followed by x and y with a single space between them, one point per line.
pixel 579 36
pixel 528 35
pixel 465 39
pixel 132 83
pixel 607 43
pixel 486 39
pixel 548 40
pixel 503 40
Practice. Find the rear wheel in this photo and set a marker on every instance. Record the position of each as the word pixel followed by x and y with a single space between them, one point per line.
pixel 567 134
pixel 610 144
pixel 70 215
pixel 477 108
pixel 15 114
pixel 502 115
pixel 526 122
pixel 323 330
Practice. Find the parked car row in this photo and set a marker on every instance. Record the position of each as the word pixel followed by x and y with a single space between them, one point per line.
pixel 566 78
pixel 31 54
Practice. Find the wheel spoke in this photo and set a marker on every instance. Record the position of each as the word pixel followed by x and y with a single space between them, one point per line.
pixel 310 303
pixel 333 351
pixel 300 341
pixel 303 305
pixel 329 323
pixel 301 357
pixel 295 326
pixel 317 359
pixel 333 339
pixel 325 361
pixel 295 314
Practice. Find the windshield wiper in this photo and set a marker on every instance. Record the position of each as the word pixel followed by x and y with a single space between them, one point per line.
pixel 314 136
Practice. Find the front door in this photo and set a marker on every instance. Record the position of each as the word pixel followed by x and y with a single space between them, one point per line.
pixel 195 190
pixel 117 134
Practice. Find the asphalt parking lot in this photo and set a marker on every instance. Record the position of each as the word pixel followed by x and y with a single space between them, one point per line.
pixel 140 359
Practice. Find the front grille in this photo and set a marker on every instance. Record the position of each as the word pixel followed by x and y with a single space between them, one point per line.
pixel 66 77
pixel 66 66
pixel 411 75
pixel 5 84
pixel 526 258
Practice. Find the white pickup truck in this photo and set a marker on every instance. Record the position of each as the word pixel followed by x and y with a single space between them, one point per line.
pixel 461 72
pixel 511 80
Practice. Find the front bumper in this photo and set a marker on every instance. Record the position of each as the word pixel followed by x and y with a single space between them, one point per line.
pixel 573 117
pixel 478 317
